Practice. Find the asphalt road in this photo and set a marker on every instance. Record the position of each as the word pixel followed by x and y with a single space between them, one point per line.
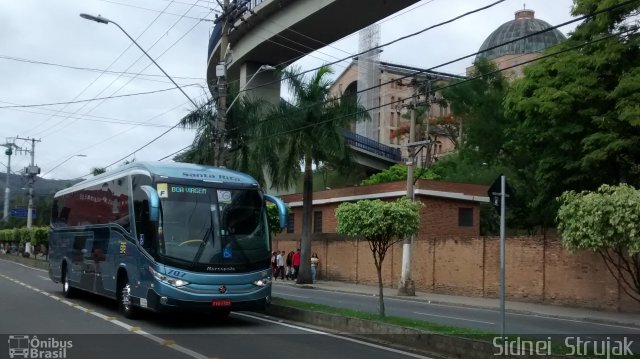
pixel 32 305
pixel 485 319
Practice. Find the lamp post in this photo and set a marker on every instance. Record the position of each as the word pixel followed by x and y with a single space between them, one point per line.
pixel 104 20
pixel 262 68
pixel 61 163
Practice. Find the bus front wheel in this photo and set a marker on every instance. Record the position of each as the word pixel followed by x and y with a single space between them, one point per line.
pixel 125 303
pixel 67 290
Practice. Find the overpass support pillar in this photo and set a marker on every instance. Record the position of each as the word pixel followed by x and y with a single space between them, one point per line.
pixel 265 85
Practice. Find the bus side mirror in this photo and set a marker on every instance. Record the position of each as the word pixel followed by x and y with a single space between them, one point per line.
pixel 282 209
pixel 154 203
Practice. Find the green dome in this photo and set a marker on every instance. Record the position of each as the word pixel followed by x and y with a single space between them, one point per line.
pixel 524 24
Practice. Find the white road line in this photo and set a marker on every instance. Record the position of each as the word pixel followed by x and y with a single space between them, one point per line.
pixel 456 318
pixel 26 266
pixel 293 295
pixel 45 278
pixel 397 351
pixel 136 330
pixel 576 321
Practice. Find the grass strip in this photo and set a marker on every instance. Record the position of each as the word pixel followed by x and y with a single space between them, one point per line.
pixel 557 348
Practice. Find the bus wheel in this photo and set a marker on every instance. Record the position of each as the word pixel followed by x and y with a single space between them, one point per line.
pixel 124 300
pixel 67 290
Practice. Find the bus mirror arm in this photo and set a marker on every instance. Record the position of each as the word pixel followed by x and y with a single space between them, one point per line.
pixel 154 203
pixel 282 209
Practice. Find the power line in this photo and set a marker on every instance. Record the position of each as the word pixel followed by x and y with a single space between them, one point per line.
pixel 382 45
pixel 37 62
pixel 162 12
pixel 458 83
pixel 584 17
pixel 125 84
pixel 96 98
pixel 102 73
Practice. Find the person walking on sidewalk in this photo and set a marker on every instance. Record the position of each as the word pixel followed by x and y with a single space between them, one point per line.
pixel 280 260
pixel 289 263
pixel 296 263
pixel 314 266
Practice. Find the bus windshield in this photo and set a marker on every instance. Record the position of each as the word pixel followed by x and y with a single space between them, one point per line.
pixel 221 229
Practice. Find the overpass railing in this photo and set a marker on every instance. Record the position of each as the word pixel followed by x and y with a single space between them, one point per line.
pixel 372 146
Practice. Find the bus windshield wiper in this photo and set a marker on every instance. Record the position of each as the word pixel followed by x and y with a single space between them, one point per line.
pixel 205 240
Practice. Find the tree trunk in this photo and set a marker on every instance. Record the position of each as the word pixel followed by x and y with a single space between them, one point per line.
pixel 380 289
pixel 304 274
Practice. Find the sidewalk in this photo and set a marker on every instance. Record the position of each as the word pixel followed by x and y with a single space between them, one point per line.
pixel 546 310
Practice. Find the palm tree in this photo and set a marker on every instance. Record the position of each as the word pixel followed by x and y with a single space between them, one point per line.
pixel 242 153
pixel 307 132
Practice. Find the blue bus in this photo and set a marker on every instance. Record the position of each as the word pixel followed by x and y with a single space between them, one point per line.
pixel 165 236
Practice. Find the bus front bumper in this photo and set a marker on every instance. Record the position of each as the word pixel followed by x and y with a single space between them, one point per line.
pixel 158 303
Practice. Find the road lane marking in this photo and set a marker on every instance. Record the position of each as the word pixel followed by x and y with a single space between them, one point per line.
pixel 136 330
pixel 22 265
pixel 397 351
pixel 293 295
pixel 456 318
pixel 43 277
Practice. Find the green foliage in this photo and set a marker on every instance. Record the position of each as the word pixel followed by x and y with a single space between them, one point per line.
pixel 574 121
pixel 478 103
pixel 606 221
pixel 98 170
pixel 382 224
pixel 398 172
pixel 33 235
pixel 274 218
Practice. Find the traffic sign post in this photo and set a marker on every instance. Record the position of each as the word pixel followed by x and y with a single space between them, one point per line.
pixel 498 193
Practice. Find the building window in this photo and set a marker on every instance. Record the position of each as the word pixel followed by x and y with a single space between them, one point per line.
pixel 291 222
pixel 393 119
pixel 465 217
pixel 317 222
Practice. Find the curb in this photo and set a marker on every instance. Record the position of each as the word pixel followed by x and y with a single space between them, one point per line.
pixel 36 263
pixel 426 343
pixel 464 305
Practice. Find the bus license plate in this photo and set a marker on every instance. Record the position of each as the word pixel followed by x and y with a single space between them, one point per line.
pixel 221 303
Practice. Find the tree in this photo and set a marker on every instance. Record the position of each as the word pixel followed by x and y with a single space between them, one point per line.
pixel 607 222
pixel 98 170
pixel 478 104
pixel 305 132
pixel 243 152
pixel 273 218
pixel 382 224
pixel 574 122
pixel 398 172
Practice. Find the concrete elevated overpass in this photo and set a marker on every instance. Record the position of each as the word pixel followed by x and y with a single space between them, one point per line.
pixel 278 32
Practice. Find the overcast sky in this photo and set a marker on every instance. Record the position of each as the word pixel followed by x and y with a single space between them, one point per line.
pixel 33 32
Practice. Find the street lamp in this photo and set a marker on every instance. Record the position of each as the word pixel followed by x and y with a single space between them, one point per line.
pixel 104 20
pixel 262 68
pixel 61 163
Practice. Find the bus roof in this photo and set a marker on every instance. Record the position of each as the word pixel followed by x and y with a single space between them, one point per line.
pixel 170 170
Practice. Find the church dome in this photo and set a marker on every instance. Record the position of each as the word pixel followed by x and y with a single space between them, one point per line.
pixel 524 24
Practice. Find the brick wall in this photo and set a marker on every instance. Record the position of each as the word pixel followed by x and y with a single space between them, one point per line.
pixel 536 270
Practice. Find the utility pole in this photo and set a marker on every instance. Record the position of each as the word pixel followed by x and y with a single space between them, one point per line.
pixel 221 73
pixel 32 171
pixel 7 190
pixel 407 286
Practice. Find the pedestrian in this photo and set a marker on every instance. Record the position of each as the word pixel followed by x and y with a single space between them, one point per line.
pixel 289 264
pixel 314 266
pixel 296 263
pixel 274 265
pixel 280 260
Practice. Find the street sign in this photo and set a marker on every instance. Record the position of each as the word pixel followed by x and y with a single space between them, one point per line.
pixel 22 213
pixel 495 190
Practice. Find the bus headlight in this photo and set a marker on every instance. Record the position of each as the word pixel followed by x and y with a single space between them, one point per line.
pixel 262 282
pixel 168 280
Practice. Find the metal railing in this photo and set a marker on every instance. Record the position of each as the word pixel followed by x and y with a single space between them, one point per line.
pixel 372 146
